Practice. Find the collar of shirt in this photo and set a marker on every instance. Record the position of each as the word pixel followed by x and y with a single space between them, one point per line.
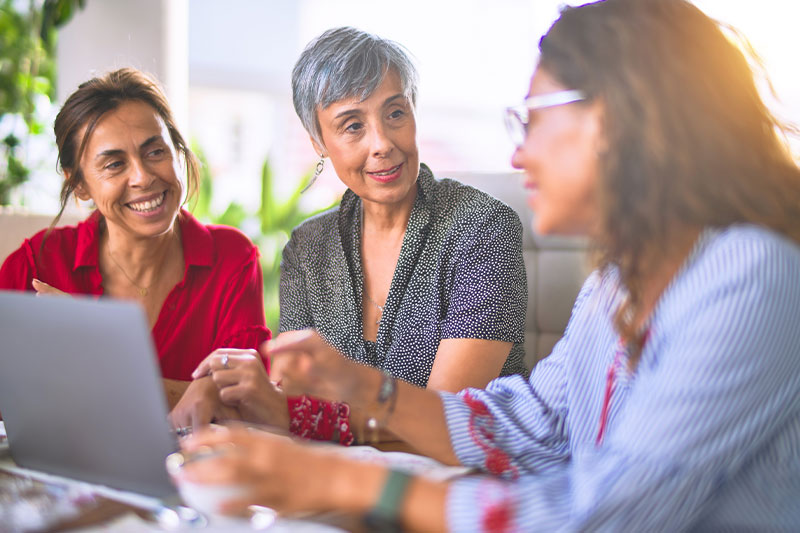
pixel 196 240
pixel 349 220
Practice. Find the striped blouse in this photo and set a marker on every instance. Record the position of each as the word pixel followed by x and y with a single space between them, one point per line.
pixel 705 436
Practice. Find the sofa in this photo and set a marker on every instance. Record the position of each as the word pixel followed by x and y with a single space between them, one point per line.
pixel 17 224
pixel 556 266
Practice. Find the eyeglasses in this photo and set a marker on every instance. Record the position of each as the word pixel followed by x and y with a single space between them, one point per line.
pixel 517 117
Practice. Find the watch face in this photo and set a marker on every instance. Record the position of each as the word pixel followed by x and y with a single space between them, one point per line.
pixel 384 516
pixel 381 523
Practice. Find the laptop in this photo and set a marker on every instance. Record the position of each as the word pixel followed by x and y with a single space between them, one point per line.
pixel 81 393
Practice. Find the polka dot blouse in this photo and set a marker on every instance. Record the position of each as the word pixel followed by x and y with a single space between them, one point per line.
pixel 460 274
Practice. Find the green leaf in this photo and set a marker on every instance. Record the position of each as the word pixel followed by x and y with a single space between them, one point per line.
pixel 201 205
pixel 290 209
pixel 234 215
pixel 17 172
pixel 56 13
pixel 267 211
pixel 11 140
pixel 27 70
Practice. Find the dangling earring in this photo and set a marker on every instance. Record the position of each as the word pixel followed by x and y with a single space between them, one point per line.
pixel 317 172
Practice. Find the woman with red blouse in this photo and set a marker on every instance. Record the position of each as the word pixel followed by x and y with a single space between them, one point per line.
pixel 200 286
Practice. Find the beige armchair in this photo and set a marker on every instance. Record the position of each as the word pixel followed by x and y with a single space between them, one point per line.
pixel 556 266
pixel 17 224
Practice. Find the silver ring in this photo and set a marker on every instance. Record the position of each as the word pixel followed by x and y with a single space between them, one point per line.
pixel 224 360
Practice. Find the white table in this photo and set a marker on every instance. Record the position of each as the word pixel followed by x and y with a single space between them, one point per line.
pixel 133 521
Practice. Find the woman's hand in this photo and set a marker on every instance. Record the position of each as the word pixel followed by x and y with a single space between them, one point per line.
pixel 276 472
pixel 305 363
pixel 43 288
pixel 243 384
pixel 200 405
pixel 289 477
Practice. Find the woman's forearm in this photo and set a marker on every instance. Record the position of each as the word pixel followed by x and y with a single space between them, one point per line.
pixel 463 363
pixel 173 391
pixel 357 489
pixel 417 418
pixel 424 508
pixel 307 364
pixel 293 477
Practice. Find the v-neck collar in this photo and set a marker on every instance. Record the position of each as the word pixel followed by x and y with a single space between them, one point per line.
pixel 417 229
pixel 196 241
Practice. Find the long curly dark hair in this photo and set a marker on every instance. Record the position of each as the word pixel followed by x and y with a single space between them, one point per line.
pixel 690 141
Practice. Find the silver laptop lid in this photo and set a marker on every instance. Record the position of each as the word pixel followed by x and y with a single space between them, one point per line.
pixel 80 391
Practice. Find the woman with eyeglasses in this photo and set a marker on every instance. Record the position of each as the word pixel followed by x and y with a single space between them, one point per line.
pixel 672 403
pixel 422 278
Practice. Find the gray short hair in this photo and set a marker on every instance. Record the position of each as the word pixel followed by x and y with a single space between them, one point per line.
pixel 346 63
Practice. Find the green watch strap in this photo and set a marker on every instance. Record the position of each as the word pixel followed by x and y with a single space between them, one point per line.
pixel 387 510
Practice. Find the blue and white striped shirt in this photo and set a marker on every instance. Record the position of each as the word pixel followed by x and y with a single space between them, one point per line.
pixel 705 436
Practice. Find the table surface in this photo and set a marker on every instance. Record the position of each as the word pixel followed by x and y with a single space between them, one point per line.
pixel 35 500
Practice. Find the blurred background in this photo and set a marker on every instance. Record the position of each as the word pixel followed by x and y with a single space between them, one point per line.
pixel 226 65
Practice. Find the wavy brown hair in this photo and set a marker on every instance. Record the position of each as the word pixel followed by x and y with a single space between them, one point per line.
pixel 690 141
pixel 90 102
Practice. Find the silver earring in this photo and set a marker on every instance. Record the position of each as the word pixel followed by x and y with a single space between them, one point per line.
pixel 317 172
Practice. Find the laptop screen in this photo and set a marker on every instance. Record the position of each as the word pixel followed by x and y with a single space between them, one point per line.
pixel 81 393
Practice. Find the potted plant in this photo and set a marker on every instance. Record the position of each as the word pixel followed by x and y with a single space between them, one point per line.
pixel 27 74
pixel 269 227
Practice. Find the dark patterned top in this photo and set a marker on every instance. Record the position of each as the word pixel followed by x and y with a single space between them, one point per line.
pixel 460 274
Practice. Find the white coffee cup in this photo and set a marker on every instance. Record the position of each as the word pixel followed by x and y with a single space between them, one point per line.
pixel 206 498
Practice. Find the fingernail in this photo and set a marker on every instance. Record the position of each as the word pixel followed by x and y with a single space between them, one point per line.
pixel 175 462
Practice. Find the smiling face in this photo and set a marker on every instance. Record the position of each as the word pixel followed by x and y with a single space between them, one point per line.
pixel 130 170
pixel 373 144
pixel 560 160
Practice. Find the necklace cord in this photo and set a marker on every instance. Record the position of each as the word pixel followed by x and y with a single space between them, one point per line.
pixel 370 300
pixel 142 290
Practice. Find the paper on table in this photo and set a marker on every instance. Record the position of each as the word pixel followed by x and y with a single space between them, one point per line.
pixel 27 504
pixel 131 498
pixel 130 522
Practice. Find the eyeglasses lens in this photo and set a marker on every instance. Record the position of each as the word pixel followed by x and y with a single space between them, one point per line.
pixel 517 126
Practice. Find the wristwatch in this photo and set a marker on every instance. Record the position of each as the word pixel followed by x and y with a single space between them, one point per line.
pixel 384 517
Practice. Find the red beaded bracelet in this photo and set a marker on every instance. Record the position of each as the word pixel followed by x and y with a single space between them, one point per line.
pixel 316 419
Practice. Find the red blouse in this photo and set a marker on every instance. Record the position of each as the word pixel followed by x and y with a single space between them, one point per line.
pixel 218 303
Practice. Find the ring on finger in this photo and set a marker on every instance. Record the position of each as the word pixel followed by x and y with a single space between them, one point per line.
pixel 224 361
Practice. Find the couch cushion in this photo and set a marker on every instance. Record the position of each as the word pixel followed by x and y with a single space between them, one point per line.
pixel 17 224
pixel 556 266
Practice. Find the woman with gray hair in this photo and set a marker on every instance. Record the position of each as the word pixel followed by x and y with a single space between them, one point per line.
pixel 419 277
